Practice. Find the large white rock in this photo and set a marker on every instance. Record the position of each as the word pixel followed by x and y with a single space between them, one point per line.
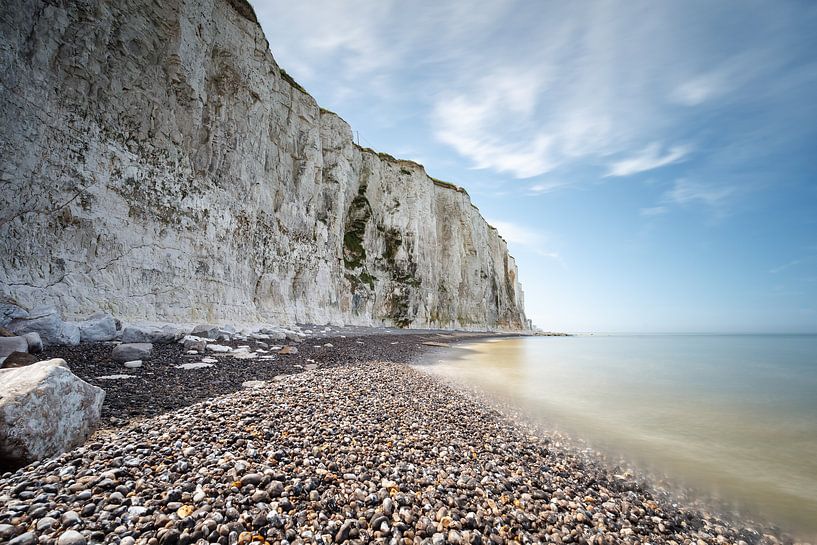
pixel 44 410
pixel 209 187
pixel 99 327
pixel 45 321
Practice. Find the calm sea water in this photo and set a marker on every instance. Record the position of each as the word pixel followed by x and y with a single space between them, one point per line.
pixel 734 417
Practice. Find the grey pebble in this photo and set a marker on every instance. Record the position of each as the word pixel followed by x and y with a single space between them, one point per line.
pixel 71 537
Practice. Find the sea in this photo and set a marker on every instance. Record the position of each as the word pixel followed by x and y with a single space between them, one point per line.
pixel 731 417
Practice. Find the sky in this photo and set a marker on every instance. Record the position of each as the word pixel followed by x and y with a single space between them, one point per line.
pixel 652 165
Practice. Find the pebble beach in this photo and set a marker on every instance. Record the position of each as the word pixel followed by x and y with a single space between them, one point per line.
pixel 352 451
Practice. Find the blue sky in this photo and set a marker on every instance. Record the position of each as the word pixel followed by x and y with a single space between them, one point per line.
pixel 652 165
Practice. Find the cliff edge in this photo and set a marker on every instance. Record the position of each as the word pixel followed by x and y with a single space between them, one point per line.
pixel 156 163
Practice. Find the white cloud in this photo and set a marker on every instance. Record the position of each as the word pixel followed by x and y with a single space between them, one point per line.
pixel 654 211
pixel 469 125
pixel 649 158
pixel 524 88
pixel 785 266
pixel 540 188
pixel 686 192
pixel 699 89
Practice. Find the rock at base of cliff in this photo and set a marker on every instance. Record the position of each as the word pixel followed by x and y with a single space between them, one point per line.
pixel 44 410
pixel 12 344
pixel 191 342
pixel 98 328
pixel 46 321
pixel 152 334
pixel 131 352
pixel 35 343
pixel 207 331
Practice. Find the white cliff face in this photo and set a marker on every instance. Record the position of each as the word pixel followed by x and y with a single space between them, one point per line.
pixel 155 163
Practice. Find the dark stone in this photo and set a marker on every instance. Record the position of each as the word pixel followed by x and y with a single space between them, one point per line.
pixel 19 359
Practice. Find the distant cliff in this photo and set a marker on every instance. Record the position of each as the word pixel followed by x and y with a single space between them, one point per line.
pixel 156 163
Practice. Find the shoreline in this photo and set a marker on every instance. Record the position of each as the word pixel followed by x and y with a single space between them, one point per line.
pixel 314 456
pixel 160 386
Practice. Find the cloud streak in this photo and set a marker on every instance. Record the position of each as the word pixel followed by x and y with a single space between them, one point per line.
pixel 650 158
pixel 686 192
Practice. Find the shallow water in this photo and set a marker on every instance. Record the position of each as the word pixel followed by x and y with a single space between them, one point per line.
pixel 734 417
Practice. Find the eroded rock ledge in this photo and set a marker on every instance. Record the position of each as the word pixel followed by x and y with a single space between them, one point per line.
pixel 157 164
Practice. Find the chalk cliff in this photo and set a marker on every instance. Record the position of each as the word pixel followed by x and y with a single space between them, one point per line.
pixel 156 163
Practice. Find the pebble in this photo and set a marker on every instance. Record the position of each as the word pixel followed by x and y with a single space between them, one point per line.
pixel 71 537
pixel 134 364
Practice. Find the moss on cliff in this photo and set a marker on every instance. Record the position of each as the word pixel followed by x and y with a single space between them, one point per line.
pixel 359 213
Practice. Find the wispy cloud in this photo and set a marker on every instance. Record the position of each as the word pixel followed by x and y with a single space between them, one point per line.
pixel 700 89
pixel 649 158
pixel 654 211
pixel 468 124
pixel 686 192
pixel 783 267
pixel 541 188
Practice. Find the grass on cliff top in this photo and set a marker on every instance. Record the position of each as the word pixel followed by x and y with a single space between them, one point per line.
pixel 289 79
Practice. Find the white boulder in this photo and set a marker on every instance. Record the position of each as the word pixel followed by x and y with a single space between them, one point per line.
pixel 46 321
pixel 98 328
pixel 44 410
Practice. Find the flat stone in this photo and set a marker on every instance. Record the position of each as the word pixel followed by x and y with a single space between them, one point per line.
pixel 194 365
pixel 245 355
pixel 135 364
pixel 115 377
